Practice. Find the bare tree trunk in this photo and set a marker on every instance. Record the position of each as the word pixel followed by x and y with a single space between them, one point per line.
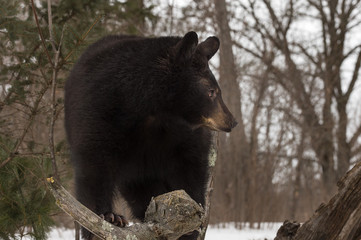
pixel 234 149
pixel 297 182
pixel 344 149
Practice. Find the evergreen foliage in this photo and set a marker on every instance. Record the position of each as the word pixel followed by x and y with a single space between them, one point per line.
pixel 26 206
pixel 26 75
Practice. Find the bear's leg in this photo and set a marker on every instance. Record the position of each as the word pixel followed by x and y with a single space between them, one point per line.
pixel 94 188
pixel 117 220
pixel 138 195
pixel 190 236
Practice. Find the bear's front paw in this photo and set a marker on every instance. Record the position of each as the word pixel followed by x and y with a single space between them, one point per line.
pixel 117 220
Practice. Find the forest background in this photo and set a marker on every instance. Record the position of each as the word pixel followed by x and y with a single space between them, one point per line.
pixel 288 70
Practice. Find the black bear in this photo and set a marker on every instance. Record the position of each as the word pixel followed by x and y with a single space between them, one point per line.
pixel 138 116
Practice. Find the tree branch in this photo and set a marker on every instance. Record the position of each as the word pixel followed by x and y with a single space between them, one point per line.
pixel 30 121
pixel 169 216
pixel 354 76
pixel 53 87
pixel 53 110
pixel 40 32
pixel 356 151
pixel 355 136
pixel 81 40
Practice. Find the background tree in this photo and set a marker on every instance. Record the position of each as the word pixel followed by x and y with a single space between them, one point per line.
pixel 313 73
pixel 234 148
pixel 251 164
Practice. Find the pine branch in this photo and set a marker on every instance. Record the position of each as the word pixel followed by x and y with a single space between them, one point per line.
pixel 28 124
pixel 81 39
pixel 41 33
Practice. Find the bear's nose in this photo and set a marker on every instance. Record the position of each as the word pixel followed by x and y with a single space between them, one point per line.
pixel 234 123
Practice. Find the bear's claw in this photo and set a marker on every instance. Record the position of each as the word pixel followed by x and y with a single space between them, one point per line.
pixel 117 220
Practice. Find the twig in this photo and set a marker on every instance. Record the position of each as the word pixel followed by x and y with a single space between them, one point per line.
pixel 77 230
pixel 53 89
pixel 82 38
pixel 27 126
pixel 40 32
pixel 50 21
pixel 171 20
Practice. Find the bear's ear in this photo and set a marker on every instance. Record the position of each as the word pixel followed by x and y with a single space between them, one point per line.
pixel 186 47
pixel 209 47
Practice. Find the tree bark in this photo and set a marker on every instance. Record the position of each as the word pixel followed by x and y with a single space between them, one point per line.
pixel 339 219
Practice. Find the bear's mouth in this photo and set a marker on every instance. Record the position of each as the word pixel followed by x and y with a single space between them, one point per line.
pixel 211 124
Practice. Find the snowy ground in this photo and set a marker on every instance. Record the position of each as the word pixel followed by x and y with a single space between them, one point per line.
pixel 266 232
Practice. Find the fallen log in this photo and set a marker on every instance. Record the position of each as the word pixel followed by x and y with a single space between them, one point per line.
pixel 339 219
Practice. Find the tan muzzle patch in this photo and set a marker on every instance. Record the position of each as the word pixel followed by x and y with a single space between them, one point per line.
pixel 209 122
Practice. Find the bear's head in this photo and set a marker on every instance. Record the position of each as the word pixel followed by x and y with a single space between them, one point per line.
pixel 198 95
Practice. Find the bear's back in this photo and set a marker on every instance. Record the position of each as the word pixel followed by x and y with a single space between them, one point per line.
pixel 116 51
pixel 121 62
pixel 117 81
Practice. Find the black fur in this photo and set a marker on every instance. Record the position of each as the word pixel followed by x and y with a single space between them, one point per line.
pixel 134 116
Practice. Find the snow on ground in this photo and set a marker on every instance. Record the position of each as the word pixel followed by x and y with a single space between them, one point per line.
pixel 267 231
pixel 61 234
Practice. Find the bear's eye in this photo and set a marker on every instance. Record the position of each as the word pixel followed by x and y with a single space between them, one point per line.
pixel 212 93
